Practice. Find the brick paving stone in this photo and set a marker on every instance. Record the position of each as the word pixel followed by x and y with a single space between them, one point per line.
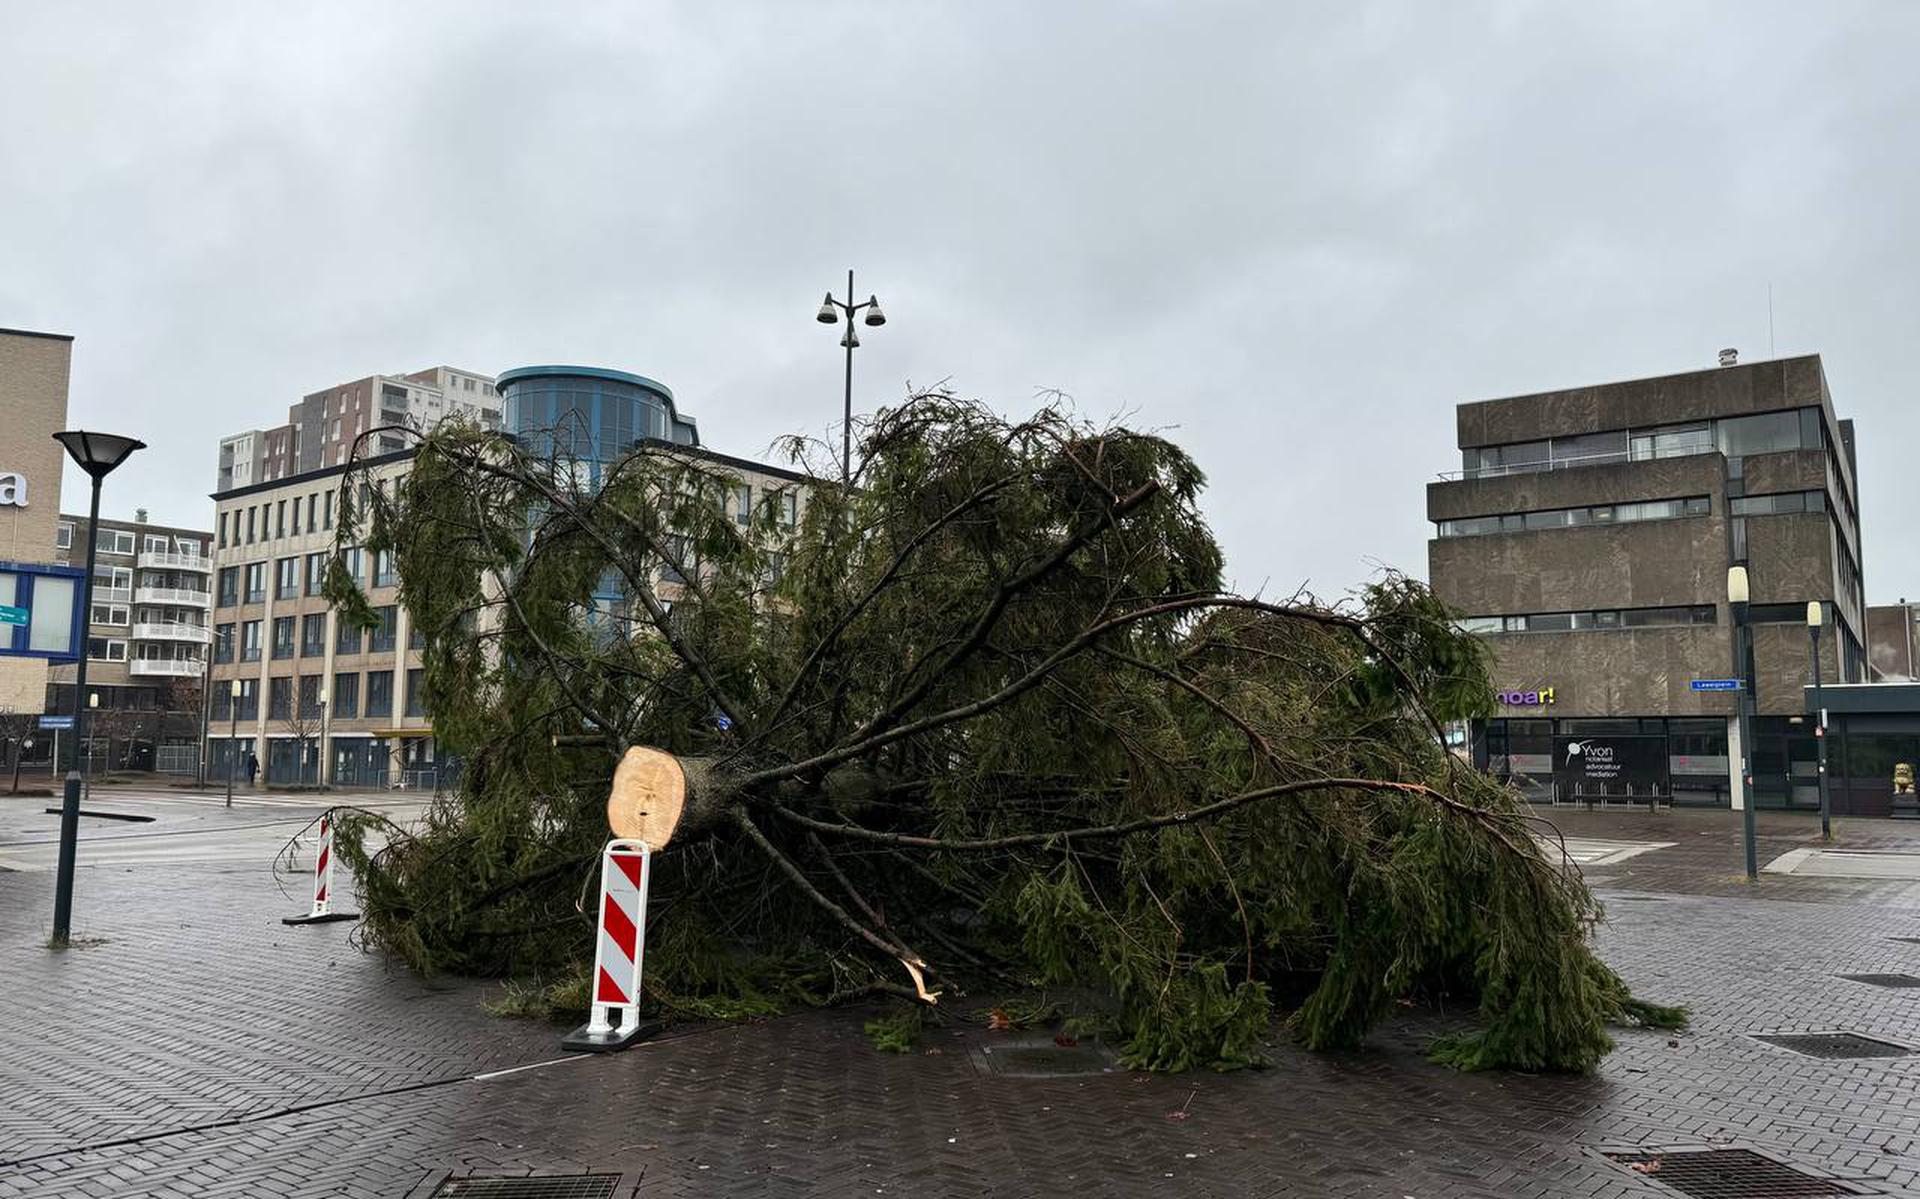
pixel 202 1023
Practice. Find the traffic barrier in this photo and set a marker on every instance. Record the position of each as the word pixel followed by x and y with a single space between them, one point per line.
pixel 322 912
pixel 613 1001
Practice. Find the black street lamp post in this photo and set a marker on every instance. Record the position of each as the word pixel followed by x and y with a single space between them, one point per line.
pixel 1816 614
pixel 97 454
pixel 1743 670
pixel 830 313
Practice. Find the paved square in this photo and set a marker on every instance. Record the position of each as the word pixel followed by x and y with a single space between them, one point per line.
pixel 201 1049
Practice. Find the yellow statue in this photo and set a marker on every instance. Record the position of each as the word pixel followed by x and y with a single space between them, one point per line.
pixel 1903 778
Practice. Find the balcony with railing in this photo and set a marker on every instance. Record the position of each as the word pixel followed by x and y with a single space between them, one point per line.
pixel 157 560
pixel 165 668
pixel 112 595
pixel 198 634
pixel 179 596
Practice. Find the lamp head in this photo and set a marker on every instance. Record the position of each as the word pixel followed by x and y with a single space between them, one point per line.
pixel 1737 585
pixel 874 316
pixel 851 340
pixel 826 315
pixel 233 688
pixel 98 453
pixel 1816 614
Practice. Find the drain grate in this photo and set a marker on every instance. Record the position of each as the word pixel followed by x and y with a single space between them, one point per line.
pixel 1727 1174
pixel 1883 980
pixel 530 1186
pixel 1041 1057
pixel 1837 1045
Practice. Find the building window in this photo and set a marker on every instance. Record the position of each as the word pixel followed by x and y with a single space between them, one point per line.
pixel 416 636
pixel 383 574
pixel 113 541
pixel 379 693
pixel 256 582
pixel 348 638
pixel 63 536
pixel 286 582
pixel 223 643
pixel 283 637
pixel 220 535
pixel 250 641
pixel 1564 518
pixel 350 560
pixel 312 503
pixel 1606 618
pixel 310 697
pixel 743 504
pixel 416 692
pixel 280 520
pixel 346 695
pixel 109 614
pixel 383 633
pixel 279 698
pixel 327 513
pixel 106 649
pixel 229 586
pixel 789 510
pixel 249 699
pixel 313 635
pixel 316 573
pixel 251 512
pixel 155 543
pixel 1779 504
pixel 295 529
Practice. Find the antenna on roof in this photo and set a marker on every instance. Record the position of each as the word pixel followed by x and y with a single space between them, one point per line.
pixel 1770 351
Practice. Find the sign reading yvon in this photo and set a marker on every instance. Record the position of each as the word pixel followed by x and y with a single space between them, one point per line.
pixel 13 489
pixel 1538 697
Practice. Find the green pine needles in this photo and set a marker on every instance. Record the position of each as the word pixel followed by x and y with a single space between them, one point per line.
pixel 983 722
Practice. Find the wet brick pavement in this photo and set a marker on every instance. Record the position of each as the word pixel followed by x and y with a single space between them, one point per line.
pixel 204 1050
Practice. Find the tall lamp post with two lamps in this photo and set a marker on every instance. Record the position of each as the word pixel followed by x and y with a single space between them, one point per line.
pixel 97 454
pixel 831 312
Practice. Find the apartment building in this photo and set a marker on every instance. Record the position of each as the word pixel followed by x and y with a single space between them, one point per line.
pixel 147 638
pixel 322 427
pixel 1588 535
pixel 316 695
pixel 34 369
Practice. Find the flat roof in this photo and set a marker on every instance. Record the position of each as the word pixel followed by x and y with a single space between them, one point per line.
pixel 1704 370
pixel 36 333
pixel 764 468
pixel 580 372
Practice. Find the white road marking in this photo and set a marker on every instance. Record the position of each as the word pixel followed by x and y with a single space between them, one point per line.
pixel 1847 863
pixel 1595 851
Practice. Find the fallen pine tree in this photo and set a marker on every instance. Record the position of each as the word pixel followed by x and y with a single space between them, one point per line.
pixel 983 721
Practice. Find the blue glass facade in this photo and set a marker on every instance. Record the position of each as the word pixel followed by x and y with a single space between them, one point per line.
pixel 588 413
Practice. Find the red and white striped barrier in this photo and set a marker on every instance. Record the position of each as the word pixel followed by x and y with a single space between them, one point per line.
pixel 322 912
pixel 613 1001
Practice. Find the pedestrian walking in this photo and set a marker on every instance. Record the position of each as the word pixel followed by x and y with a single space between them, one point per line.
pixel 253 768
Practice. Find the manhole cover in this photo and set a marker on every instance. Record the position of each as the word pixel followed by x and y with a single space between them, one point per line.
pixel 1041 1057
pixel 530 1186
pixel 1835 1045
pixel 1727 1174
pixel 1884 980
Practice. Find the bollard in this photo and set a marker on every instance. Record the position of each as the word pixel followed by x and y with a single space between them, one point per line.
pixel 613 1003
pixel 322 912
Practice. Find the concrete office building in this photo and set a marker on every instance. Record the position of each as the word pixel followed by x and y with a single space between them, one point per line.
pixel 147 640
pixel 321 428
pixel 1588 537
pixel 1893 642
pixel 314 690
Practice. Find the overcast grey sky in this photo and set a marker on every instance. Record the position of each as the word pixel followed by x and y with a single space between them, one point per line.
pixel 1292 235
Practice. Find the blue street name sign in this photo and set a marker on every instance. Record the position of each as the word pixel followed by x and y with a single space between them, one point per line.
pixel 56 722
pixel 12 615
pixel 1718 685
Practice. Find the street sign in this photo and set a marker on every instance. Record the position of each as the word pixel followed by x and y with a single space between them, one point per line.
pixel 12 615
pixel 1718 685
pixel 56 722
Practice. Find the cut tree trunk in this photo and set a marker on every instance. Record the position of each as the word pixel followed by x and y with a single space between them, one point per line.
pixel 657 797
